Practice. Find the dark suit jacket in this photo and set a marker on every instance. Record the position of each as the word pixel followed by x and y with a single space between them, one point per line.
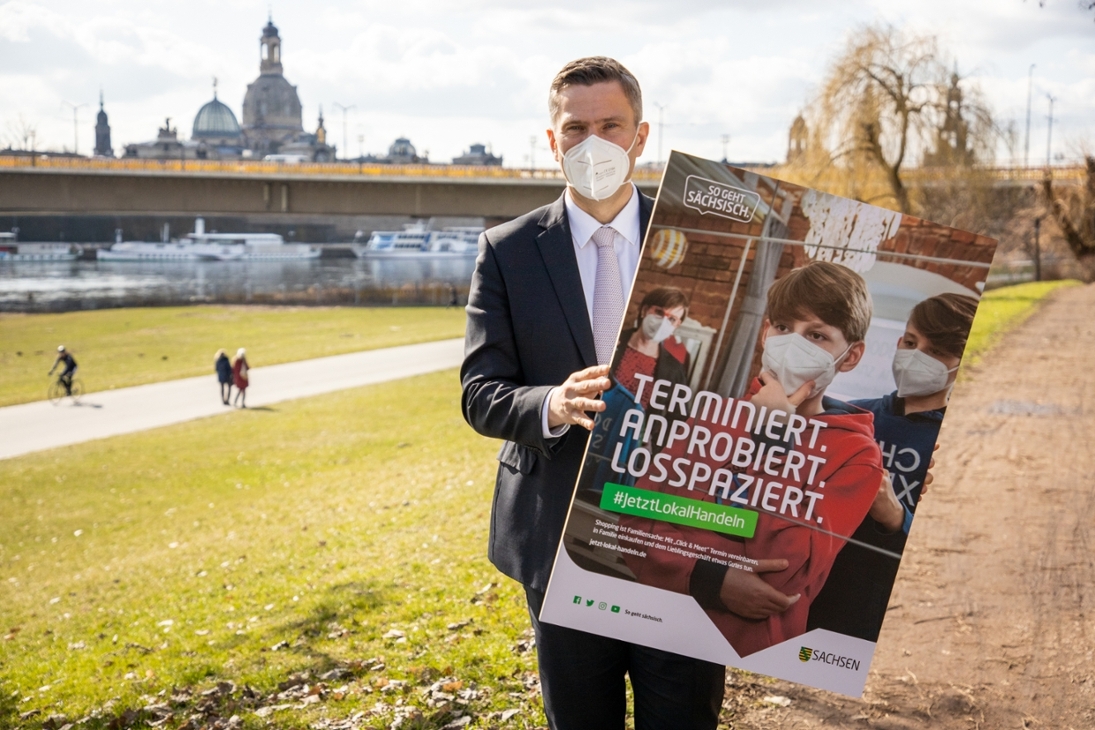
pixel 528 330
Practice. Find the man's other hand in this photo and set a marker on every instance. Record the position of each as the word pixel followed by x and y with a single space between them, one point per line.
pixel 929 477
pixel 571 401
pixel 745 593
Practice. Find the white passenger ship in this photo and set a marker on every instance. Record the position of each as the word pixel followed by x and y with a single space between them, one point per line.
pixel 202 246
pixel 15 252
pixel 419 240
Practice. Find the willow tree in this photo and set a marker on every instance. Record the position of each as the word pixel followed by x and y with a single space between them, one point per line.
pixel 1074 212
pixel 889 99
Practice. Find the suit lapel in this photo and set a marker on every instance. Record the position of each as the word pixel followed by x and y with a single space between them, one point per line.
pixel 646 207
pixel 557 250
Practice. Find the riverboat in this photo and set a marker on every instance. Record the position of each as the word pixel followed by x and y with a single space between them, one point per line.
pixel 419 240
pixel 12 251
pixel 202 246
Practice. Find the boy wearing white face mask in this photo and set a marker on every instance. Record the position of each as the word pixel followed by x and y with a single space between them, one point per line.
pixel 817 319
pixel 906 424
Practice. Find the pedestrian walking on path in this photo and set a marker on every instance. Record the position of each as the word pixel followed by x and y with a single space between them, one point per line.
pixel 223 367
pixel 30 427
pixel 240 377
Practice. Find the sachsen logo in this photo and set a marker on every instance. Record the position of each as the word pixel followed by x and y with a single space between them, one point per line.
pixel 805 654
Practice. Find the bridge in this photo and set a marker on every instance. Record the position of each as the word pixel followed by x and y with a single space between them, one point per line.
pixel 326 196
pixel 41 186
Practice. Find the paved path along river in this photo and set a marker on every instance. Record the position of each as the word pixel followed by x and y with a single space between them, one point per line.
pixel 36 426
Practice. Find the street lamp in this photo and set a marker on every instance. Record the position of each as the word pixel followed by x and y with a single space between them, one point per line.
pixel 661 126
pixel 1049 134
pixel 75 125
pixel 344 108
pixel 1030 90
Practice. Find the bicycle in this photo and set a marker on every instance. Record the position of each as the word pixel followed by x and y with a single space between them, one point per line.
pixel 57 392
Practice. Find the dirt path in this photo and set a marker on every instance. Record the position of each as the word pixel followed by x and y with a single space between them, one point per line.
pixel 992 621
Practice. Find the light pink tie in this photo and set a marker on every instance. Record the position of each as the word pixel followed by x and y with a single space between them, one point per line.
pixel 608 295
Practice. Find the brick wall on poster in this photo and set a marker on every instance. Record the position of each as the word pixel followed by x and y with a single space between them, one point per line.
pixel 924 238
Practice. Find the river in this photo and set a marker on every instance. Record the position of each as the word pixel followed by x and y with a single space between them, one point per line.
pixel 77 285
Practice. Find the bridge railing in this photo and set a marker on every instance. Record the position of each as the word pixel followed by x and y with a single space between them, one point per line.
pixel 1004 174
pixel 1070 172
pixel 265 167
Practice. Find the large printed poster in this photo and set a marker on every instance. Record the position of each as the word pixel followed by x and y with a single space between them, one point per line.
pixel 777 389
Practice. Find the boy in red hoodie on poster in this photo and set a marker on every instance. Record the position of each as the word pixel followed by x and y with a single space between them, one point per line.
pixel 819 479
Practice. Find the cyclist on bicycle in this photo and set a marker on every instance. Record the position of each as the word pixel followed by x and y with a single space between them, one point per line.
pixel 65 378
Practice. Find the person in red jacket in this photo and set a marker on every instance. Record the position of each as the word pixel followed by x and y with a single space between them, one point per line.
pixel 820 477
pixel 241 377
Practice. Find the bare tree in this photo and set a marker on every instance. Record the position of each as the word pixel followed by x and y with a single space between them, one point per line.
pixel 891 97
pixel 1083 4
pixel 1074 212
pixel 22 135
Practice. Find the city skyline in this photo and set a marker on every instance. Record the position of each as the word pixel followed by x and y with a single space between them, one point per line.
pixel 447 79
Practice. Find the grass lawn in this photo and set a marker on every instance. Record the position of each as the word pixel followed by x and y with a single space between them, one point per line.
pixel 1004 309
pixel 116 348
pixel 337 542
pixel 318 564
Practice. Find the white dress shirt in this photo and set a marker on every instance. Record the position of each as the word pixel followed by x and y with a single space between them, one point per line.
pixel 627 243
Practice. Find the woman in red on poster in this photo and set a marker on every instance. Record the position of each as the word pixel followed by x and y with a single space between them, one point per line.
pixel 651 348
pixel 241 377
pixel 816 321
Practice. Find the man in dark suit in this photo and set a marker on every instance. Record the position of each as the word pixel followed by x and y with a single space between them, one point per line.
pixel 544 309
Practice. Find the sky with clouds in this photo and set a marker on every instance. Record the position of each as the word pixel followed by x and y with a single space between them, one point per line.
pixel 447 74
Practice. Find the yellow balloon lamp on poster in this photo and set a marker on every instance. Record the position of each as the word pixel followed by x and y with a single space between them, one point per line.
pixel 668 247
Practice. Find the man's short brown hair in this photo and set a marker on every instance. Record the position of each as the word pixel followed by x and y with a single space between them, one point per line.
pixel 833 293
pixel 945 320
pixel 595 70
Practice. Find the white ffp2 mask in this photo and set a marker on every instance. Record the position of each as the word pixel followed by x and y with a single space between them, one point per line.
pixel 917 373
pixel 596 168
pixel 657 327
pixel 794 360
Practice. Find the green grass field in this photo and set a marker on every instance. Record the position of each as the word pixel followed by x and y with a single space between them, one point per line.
pixel 116 348
pixel 1004 309
pixel 326 557
pixel 181 557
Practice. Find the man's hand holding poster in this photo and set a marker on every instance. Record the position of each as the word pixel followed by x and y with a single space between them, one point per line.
pixel 783 368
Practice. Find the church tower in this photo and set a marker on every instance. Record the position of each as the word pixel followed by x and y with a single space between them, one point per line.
pixel 102 132
pixel 797 140
pixel 270 45
pixel 271 107
pixel 321 131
